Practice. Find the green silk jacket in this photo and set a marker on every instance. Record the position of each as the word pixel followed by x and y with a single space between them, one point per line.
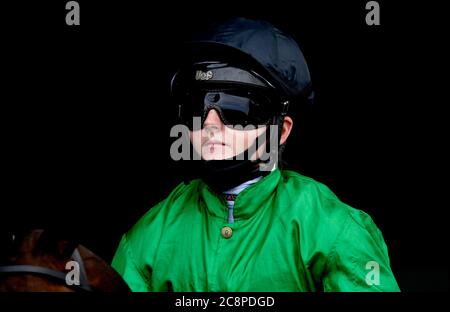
pixel 290 233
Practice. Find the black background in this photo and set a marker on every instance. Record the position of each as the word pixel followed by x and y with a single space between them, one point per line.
pixel 86 117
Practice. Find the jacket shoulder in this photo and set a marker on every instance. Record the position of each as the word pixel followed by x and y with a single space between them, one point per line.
pixel 302 185
pixel 151 224
pixel 315 207
pixel 321 195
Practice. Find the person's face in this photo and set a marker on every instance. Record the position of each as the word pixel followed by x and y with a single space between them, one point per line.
pixel 215 141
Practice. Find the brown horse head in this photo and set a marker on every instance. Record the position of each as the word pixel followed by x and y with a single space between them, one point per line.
pixel 37 260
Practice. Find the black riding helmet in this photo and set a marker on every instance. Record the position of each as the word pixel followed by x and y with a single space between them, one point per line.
pixel 248 70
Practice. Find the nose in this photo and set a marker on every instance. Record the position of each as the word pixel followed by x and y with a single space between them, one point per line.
pixel 213 120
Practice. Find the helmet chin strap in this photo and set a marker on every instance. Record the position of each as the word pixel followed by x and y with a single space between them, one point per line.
pixel 221 175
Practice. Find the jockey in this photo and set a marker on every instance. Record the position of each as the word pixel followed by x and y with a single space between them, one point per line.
pixel 243 223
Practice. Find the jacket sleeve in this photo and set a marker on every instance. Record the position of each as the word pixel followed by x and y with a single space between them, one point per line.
pixel 124 263
pixel 359 260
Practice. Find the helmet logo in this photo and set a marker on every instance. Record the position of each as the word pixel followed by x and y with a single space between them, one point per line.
pixel 200 75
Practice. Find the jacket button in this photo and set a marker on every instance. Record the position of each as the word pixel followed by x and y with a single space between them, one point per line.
pixel 227 232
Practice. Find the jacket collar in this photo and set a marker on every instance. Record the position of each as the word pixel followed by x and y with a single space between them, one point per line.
pixel 247 203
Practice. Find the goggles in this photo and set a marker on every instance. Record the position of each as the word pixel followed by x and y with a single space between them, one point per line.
pixel 234 107
pixel 240 97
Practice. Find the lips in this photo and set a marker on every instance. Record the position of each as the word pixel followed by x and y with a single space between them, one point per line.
pixel 211 142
